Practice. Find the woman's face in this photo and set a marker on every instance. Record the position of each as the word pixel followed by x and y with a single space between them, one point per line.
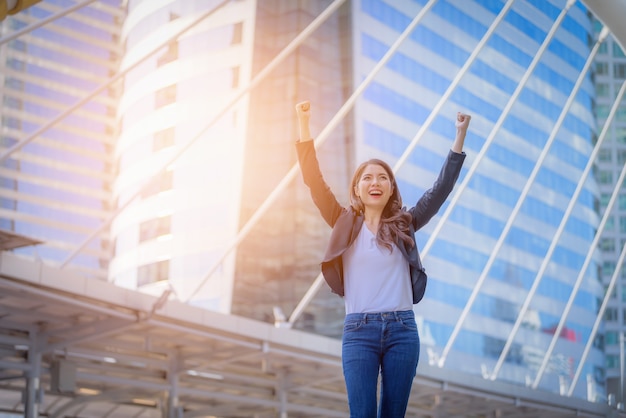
pixel 374 186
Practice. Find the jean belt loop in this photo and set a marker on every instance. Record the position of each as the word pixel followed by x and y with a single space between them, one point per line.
pixel 365 318
pixel 395 314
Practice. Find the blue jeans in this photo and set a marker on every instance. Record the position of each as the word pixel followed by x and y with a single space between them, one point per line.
pixel 385 342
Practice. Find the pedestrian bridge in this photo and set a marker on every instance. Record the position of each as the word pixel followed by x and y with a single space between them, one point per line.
pixel 72 346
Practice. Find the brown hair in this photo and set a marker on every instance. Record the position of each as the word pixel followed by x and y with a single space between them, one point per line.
pixel 394 223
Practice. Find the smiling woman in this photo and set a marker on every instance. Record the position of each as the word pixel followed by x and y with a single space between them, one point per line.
pixel 373 263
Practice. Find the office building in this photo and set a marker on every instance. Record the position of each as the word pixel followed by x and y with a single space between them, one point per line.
pixel 56 177
pixel 610 73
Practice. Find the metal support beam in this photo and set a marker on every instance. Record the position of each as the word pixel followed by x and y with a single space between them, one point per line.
pixel 172 407
pixel 282 385
pixel 573 200
pixel 522 197
pixel 120 395
pixel 32 392
pixel 592 247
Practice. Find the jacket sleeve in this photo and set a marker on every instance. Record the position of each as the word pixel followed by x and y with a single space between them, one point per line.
pixel 322 196
pixel 432 200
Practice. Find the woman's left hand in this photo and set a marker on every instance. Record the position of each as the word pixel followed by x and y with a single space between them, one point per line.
pixel 462 121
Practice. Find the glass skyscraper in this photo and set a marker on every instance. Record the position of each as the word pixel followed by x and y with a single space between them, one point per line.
pixel 610 73
pixel 187 210
pixel 56 187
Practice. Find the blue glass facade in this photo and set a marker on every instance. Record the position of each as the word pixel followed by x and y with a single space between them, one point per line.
pixel 56 188
pixel 407 90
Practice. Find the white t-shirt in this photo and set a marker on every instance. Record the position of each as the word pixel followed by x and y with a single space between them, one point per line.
pixel 375 279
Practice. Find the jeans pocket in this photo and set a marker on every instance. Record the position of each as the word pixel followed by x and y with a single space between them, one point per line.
pixel 409 324
pixel 349 326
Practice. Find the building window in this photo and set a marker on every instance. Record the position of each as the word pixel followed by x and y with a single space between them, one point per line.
pixel 610 224
pixel 237 33
pixel 18 45
pixel 170 54
pixel 617 51
pixel 612 361
pixel 155 228
pixel 153 273
pixel 160 183
pixel 611 338
pixel 602 68
pixel 602 111
pixel 165 96
pixel 608 267
pixel 621 157
pixel 602 90
pixel 605 155
pixel 235 75
pixel 621 201
pixel 620 114
pixel 605 177
pixel 604 199
pixel 610 314
pixel 607 245
pixel 620 135
pixel 163 139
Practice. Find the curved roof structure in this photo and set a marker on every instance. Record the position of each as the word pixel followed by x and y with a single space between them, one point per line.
pixel 612 14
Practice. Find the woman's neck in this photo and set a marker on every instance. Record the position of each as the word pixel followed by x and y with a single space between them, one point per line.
pixel 372 219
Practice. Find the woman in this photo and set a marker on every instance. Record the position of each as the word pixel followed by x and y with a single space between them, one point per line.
pixel 373 263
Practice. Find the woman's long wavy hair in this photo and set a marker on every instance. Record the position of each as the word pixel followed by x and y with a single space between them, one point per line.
pixel 394 223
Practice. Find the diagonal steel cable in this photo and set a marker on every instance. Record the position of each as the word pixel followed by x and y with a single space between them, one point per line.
pixel 256 80
pixel 312 291
pixel 90 96
pixel 593 246
pixel 320 140
pixel 557 235
pixel 472 170
pixel 104 86
pixel 457 79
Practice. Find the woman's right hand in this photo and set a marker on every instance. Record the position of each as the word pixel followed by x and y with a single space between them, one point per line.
pixel 303 110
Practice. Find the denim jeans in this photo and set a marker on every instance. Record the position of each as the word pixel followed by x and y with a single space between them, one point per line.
pixel 385 343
